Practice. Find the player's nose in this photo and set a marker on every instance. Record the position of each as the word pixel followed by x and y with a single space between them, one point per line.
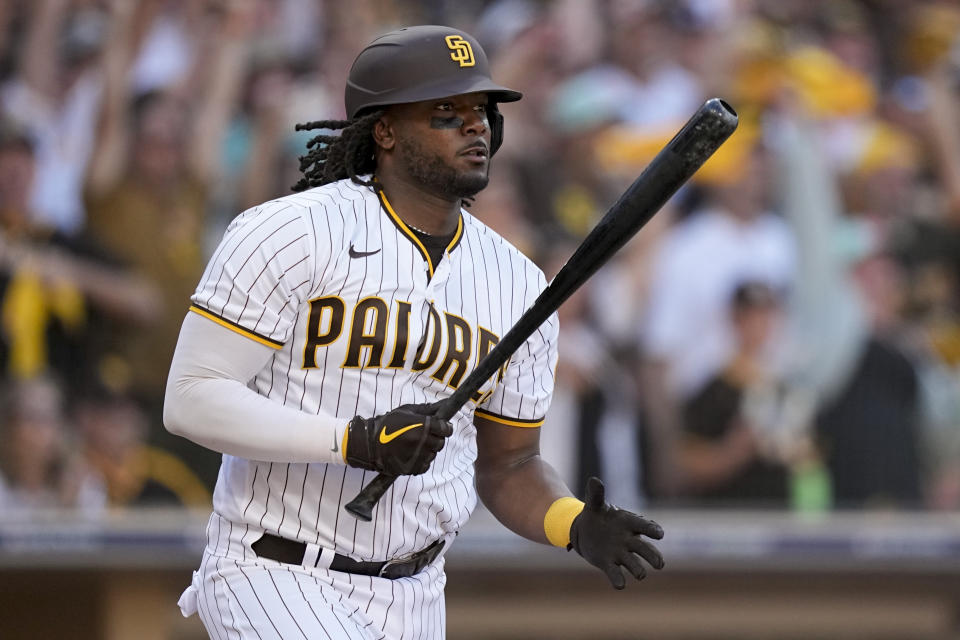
pixel 474 123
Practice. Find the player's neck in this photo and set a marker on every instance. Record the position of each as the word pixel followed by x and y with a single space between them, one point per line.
pixel 418 207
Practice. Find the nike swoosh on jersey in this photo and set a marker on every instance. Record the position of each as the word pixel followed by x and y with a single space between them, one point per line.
pixel 361 254
pixel 387 437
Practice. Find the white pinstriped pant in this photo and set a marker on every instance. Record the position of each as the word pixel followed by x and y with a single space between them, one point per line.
pixel 267 600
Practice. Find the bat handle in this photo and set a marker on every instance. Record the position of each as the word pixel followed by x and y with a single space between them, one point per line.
pixel 361 507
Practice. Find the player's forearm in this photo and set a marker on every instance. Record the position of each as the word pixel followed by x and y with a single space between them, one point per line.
pixel 944 135
pixel 208 402
pixel 664 425
pixel 706 464
pixel 108 158
pixel 520 494
pixel 223 86
pixel 226 416
pixel 39 62
pixel 120 293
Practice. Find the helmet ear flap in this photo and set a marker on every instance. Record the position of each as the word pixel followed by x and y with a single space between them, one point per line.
pixel 496 127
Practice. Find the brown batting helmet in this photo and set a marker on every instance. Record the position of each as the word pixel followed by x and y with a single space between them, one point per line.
pixel 424 63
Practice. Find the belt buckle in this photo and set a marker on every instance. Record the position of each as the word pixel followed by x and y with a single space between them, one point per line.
pixel 394 563
pixel 413 563
pixel 408 565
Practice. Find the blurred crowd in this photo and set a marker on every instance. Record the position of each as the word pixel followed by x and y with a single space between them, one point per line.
pixel 785 334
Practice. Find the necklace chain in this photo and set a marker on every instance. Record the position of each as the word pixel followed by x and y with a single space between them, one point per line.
pixel 380 190
pixel 418 229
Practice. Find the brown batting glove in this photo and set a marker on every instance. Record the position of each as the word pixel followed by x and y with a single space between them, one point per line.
pixel 403 441
pixel 610 538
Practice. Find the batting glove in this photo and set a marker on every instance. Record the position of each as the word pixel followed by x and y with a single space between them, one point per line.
pixel 610 538
pixel 403 441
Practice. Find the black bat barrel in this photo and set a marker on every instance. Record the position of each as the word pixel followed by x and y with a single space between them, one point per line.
pixel 699 138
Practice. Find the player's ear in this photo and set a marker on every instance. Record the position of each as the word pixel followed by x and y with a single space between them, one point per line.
pixel 383 133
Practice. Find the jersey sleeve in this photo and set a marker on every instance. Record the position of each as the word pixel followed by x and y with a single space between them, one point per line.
pixel 259 274
pixel 522 397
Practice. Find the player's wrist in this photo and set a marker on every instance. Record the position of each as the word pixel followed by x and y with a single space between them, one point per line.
pixel 559 519
pixel 357 450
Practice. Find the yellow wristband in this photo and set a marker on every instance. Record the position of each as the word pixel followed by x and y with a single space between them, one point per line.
pixel 560 515
pixel 343 447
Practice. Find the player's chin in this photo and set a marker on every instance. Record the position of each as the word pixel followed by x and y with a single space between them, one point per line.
pixel 473 166
pixel 472 182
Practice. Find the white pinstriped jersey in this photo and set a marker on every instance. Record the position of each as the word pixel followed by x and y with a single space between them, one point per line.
pixel 363 322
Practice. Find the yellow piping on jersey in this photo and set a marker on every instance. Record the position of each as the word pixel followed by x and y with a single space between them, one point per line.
pixel 413 237
pixel 457 235
pixel 235 328
pixel 508 421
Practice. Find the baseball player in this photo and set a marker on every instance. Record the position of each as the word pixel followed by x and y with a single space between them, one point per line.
pixel 326 323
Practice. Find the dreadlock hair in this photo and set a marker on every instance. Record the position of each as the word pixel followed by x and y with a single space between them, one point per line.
pixel 334 157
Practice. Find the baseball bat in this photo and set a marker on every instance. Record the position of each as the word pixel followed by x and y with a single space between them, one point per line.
pixel 699 138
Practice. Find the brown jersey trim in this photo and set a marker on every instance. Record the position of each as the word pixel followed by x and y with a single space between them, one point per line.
pixel 233 326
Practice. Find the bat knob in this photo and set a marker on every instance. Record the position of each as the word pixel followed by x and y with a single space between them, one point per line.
pixel 361 507
pixel 724 114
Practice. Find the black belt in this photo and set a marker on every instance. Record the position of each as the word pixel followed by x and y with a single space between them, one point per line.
pixel 292 552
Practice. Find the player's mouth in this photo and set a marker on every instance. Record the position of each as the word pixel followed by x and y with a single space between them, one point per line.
pixel 476 152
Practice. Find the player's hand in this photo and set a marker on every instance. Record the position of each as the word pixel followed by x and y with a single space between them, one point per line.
pixel 610 538
pixel 403 441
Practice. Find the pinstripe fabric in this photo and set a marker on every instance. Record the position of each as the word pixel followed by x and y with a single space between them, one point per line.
pixel 338 242
pixel 259 598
